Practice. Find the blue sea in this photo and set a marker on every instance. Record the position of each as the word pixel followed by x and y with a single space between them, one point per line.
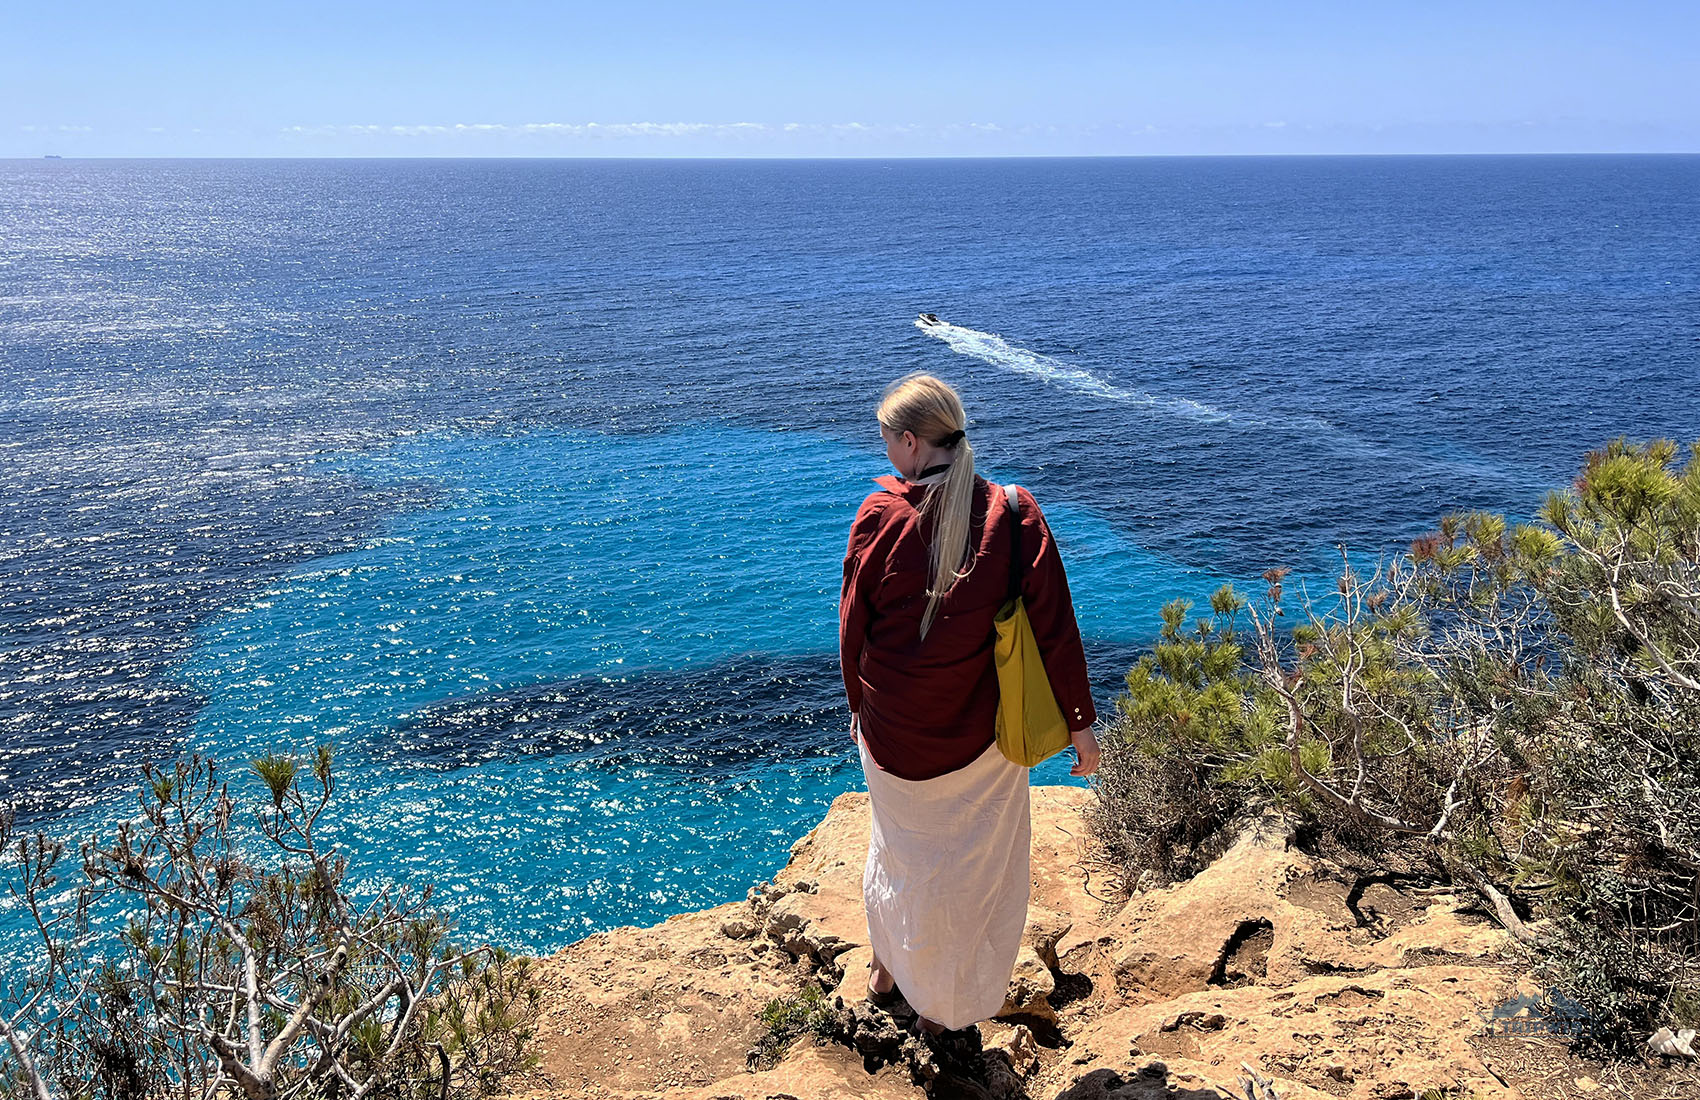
pixel 525 484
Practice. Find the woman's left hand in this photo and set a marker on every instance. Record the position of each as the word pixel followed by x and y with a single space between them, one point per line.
pixel 855 728
pixel 1085 744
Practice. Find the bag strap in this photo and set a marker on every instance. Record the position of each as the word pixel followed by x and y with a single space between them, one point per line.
pixel 1015 541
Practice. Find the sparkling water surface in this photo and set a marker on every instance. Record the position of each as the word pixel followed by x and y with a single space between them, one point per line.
pixel 526 484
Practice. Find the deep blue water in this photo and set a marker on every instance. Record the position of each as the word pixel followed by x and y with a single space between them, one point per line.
pixel 526 483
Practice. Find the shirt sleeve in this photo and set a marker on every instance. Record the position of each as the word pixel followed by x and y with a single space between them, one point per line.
pixel 864 567
pixel 1050 608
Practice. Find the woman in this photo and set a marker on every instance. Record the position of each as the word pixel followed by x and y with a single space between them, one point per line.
pixel 928 567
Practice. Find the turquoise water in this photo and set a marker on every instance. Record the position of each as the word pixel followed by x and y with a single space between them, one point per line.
pixel 526 483
pixel 617 564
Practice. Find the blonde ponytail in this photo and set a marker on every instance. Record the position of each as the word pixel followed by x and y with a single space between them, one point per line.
pixel 930 408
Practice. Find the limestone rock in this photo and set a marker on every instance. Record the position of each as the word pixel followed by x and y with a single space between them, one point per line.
pixel 853 984
pixel 737 929
pixel 633 1010
pixel 1062 882
pixel 1326 983
pixel 821 926
pixel 1181 939
pixel 1019 1046
pixel 814 908
pixel 809 1072
pixel 1043 932
pixel 1030 986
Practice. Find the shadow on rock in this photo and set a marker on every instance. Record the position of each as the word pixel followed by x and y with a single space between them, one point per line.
pixel 951 1066
pixel 1150 1083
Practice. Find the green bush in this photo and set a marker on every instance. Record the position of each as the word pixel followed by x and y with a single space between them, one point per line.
pixel 1518 703
pixel 1194 744
pixel 231 977
pixel 785 1018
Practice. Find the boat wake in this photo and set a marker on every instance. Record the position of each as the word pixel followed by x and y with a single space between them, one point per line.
pixel 994 349
pixel 991 348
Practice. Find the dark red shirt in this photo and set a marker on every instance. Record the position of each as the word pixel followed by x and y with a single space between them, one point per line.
pixel 928 707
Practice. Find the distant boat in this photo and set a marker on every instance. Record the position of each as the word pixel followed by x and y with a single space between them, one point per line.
pixel 929 319
pixel 51 156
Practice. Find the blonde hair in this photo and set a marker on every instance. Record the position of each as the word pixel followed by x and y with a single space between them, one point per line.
pixel 927 406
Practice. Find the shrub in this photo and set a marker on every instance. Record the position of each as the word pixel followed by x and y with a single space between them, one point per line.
pixel 1190 748
pixel 234 977
pixel 1520 702
pixel 785 1018
pixel 1613 834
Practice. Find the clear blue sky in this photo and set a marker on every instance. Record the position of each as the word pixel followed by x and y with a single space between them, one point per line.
pixel 512 78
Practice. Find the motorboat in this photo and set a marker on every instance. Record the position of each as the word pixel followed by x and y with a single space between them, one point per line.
pixel 929 319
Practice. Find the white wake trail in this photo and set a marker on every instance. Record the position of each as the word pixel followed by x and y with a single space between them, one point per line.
pixel 994 349
pixel 991 348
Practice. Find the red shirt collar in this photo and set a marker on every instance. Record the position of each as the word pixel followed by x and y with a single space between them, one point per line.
pixel 900 486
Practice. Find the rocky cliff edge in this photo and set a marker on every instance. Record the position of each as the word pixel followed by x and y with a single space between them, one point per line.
pixel 1271 970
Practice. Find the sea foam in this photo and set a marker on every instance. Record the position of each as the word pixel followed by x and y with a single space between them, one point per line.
pixel 988 347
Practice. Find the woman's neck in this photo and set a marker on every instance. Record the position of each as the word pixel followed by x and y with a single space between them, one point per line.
pixel 929 458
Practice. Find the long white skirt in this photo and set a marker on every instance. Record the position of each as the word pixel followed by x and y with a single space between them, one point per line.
pixel 947 883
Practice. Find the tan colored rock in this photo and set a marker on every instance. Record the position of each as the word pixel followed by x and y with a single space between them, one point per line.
pixel 629 1011
pixel 1153 1079
pixel 1019 1045
pixel 809 1072
pixel 1029 987
pixel 1328 985
pixel 853 986
pixel 737 929
pixel 819 911
pixel 1079 946
pixel 1062 878
pixel 1043 932
pixel 1326 1035
pixel 1172 941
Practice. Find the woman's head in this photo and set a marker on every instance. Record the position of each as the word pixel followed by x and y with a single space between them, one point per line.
pixel 922 422
pixel 919 414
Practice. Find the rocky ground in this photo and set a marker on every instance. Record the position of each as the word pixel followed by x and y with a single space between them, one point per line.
pixel 1272 973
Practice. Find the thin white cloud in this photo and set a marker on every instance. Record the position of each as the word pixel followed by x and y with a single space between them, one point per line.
pixel 544 129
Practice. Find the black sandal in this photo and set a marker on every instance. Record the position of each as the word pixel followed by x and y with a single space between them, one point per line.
pixel 884 1000
pixel 889 997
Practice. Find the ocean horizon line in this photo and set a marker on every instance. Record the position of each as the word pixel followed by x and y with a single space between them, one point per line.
pixel 1408 155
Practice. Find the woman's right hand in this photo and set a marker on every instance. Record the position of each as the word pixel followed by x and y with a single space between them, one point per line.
pixel 1085 744
pixel 855 728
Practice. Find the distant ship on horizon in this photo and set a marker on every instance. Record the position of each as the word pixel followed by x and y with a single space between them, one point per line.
pixel 51 156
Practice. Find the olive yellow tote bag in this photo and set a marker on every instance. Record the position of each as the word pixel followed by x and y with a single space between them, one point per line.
pixel 1030 725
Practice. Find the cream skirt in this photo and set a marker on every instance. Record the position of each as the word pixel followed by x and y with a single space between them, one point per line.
pixel 947 883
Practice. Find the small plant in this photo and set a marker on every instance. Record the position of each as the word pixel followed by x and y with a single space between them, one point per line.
pixel 805 1012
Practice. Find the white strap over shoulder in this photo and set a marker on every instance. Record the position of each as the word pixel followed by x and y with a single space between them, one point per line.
pixel 1014 501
